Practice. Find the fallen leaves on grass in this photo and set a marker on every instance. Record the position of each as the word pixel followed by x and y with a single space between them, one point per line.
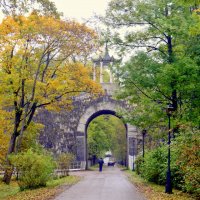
pixel 53 188
pixel 156 192
pixel 37 194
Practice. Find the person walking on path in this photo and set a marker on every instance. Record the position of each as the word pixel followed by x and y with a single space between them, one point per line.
pixel 100 164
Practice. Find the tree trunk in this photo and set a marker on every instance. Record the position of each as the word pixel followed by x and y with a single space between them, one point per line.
pixel 9 169
pixel 16 133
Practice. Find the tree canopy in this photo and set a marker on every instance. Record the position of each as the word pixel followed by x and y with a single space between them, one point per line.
pixel 41 66
pixel 164 68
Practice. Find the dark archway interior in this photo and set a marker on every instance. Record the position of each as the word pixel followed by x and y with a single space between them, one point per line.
pixel 99 113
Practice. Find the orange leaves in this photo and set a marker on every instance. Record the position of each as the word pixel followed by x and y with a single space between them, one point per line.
pixel 40 65
pixel 9 26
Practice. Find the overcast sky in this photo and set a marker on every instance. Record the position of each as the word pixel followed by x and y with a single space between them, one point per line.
pixel 81 9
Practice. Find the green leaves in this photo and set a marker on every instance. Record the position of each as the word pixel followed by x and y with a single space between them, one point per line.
pixel 165 69
pixel 185 165
pixel 107 133
pixel 34 168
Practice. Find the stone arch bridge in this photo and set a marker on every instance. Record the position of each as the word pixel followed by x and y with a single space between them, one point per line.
pixel 66 131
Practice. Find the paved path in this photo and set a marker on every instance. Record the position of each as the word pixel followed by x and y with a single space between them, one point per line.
pixel 111 184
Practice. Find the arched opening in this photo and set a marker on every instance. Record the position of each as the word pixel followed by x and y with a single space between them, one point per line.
pixel 108 118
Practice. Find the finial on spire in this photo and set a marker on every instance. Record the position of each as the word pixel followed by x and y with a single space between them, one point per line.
pixel 106 48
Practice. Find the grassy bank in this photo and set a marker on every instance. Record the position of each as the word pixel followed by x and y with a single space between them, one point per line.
pixel 153 191
pixel 54 187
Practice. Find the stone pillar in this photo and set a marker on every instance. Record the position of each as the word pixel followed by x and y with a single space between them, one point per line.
pixel 111 79
pixel 101 72
pixel 94 72
pixel 132 144
pixel 80 142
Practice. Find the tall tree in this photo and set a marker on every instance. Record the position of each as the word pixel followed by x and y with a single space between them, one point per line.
pixel 162 71
pixel 37 69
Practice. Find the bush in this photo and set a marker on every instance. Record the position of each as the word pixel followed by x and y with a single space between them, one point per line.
pixel 63 163
pixel 34 168
pixel 154 166
pixel 187 147
pixel 139 164
pixel 185 163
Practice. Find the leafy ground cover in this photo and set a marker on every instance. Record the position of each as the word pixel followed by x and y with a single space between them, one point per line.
pixel 54 187
pixel 155 192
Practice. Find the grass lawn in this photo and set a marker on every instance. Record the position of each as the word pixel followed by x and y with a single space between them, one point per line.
pixel 153 191
pixel 54 187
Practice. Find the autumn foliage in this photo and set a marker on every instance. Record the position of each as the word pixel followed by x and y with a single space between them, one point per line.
pixel 5 132
pixel 42 64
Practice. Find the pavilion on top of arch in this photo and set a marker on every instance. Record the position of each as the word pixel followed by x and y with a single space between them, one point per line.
pixel 104 61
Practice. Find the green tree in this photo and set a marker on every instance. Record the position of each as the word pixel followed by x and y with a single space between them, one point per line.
pixel 162 72
pixel 107 133
pixel 98 137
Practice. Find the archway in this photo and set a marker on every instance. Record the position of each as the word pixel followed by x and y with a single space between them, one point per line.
pixel 66 131
pixel 105 113
pixel 104 107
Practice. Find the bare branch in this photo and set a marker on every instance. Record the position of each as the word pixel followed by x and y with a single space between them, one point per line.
pixel 59 97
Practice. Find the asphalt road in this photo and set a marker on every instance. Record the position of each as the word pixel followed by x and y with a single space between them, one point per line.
pixel 110 184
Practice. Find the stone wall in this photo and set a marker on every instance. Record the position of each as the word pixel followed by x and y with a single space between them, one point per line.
pixel 66 131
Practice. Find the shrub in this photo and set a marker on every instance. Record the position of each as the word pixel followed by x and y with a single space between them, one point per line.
pixel 154 166
pixel 185 163
pixel 63 163
pixel 34 168
pixel 139 164
pixel 188 148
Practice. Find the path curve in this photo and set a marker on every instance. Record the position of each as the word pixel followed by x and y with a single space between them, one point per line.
pixel 110 184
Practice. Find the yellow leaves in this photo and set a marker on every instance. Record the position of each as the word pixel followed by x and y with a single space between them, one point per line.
pixel 39 194
pixel 5 130
pixel 82 80
pixel 54 187
pixel 195 27
pixel 36 68
pixel 9 26
pixel 71 79
pixel 30 136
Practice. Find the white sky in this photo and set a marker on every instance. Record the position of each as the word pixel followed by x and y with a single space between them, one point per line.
pixel 81 9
